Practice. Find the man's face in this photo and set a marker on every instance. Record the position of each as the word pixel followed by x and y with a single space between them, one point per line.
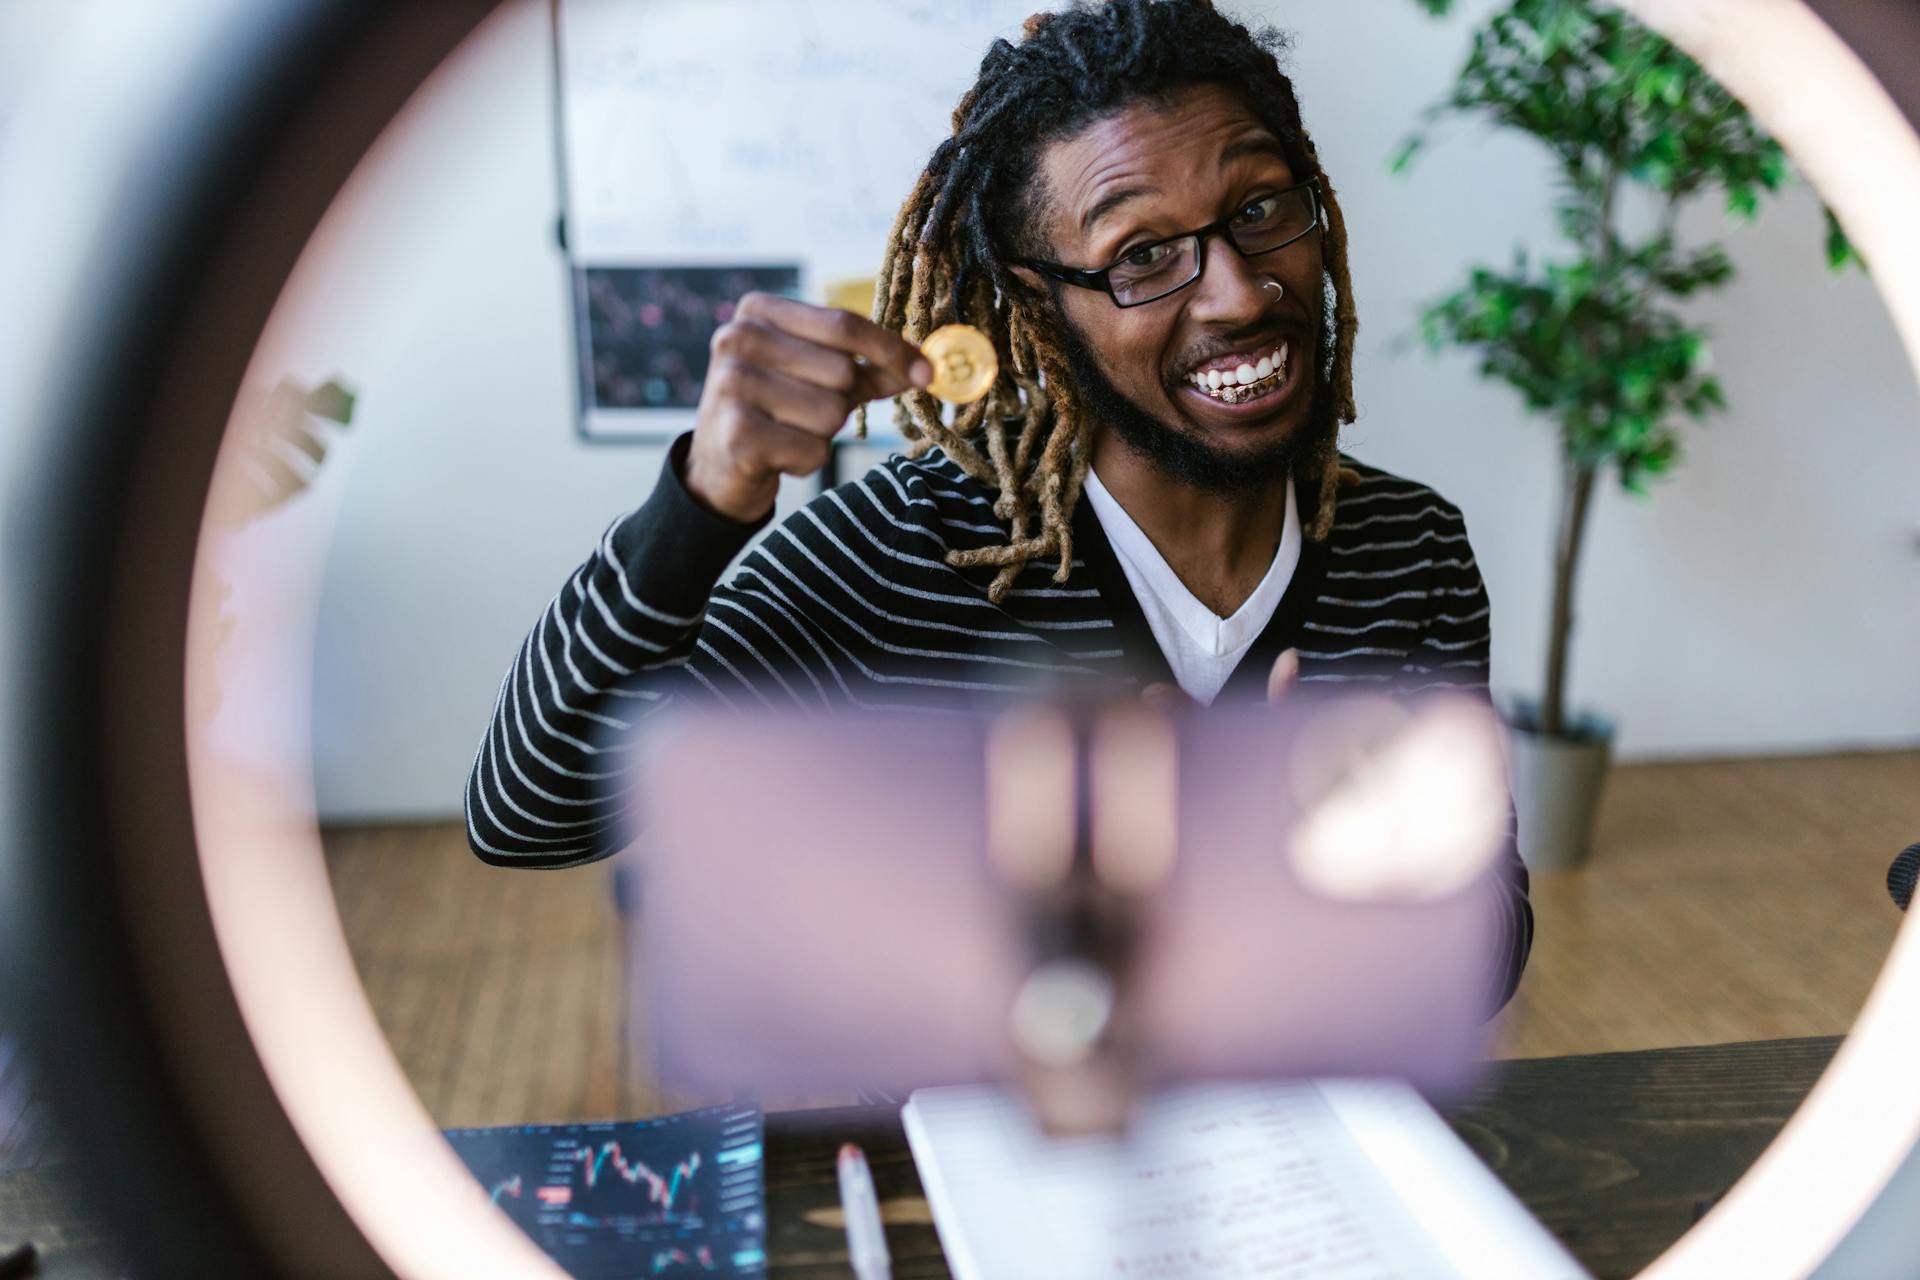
pixel 1156 170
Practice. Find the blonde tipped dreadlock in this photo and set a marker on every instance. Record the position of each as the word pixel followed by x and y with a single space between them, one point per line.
pixel 945 259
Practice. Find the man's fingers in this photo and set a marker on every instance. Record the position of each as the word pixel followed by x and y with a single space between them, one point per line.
pixel 783 379
pixel 841 330
pixel 876 383
pixel 754 343
pixel 782 397
pixel 774 444
pixel 1286 671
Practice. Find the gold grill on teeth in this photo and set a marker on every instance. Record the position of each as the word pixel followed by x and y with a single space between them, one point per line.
pixel 1237 392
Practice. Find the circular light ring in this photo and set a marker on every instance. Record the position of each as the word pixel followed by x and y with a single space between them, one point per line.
pixel 234 1129
pixel 1862 1120
pixel 151 1056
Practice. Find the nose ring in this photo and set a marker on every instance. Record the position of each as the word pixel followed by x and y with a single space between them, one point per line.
pixel 1278 289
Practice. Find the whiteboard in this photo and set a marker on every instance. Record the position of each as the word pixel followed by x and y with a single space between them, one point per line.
pixel 776 138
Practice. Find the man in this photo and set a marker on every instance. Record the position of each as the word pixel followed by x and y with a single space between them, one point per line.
pixel 1151 495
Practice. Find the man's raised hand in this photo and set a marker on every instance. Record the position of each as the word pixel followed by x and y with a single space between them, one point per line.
pixel 784 377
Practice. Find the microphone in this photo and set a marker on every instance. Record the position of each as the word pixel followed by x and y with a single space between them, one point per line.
pixel 1902 876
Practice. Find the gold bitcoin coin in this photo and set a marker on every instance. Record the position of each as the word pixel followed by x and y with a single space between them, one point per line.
pixel 964 365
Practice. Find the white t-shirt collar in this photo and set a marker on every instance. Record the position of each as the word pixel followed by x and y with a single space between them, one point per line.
pixel 1191 635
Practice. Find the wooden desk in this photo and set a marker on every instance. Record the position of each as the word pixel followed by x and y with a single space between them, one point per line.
pixel 1617 1153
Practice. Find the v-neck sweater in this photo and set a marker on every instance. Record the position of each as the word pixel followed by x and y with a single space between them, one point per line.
pixel 1200 646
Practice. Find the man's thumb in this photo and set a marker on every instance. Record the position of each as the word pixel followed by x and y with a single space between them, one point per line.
pixel 1286 670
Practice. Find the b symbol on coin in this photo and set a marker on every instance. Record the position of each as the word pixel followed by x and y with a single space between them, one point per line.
pixel 963 361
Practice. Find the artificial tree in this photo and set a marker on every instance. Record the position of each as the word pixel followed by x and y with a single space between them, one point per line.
pixel 1596 342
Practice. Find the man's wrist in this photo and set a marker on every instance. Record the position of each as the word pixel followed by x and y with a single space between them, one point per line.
pixel 673 548
pixel 725 495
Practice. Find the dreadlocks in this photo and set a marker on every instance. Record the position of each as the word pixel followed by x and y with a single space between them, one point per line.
pixel 973 208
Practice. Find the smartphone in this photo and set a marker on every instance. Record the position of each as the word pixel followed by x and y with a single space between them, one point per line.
pixel 824 900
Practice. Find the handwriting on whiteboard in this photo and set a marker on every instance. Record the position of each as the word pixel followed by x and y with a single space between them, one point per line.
pixel 769 130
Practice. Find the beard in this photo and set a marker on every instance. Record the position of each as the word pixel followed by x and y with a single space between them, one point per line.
pixel 1177 454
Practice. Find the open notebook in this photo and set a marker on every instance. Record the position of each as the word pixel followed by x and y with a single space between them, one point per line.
pixel 1341 1180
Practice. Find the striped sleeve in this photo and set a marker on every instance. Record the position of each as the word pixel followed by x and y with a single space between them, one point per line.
pixel 849 602
pixel 612 648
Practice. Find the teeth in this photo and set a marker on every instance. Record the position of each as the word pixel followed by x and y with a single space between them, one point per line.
pixel 1232 386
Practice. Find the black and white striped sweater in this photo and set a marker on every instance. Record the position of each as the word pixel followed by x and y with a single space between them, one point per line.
pixel 850 603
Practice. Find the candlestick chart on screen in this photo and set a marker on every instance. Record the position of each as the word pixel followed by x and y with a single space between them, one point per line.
pixel 678 1195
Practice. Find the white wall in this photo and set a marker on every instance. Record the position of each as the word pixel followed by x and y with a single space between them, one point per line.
pixel 1764 600
pixel 461 495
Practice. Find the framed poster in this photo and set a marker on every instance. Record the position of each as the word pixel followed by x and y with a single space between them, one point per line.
pixel 641 339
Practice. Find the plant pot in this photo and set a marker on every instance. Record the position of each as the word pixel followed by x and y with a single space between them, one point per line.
pixel 1557 780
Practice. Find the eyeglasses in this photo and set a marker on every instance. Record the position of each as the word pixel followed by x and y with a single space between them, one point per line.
pixel 1149 272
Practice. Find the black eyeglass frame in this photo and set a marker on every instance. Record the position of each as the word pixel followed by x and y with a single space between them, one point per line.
pixel 1100 278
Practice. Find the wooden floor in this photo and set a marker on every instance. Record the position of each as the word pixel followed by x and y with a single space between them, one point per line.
pixel 1725 901
pixel 499 991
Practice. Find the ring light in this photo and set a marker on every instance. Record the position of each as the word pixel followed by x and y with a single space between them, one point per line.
pixel 177 951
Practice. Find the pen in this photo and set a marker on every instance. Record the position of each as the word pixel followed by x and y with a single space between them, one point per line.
pixel 866 1240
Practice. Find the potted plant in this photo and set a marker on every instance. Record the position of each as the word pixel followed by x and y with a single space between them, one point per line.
pixel 1594 338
